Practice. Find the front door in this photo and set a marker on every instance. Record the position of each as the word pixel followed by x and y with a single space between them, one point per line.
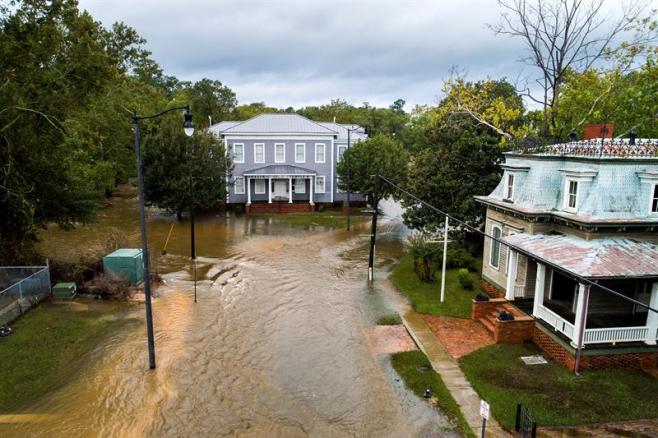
pixel 280 189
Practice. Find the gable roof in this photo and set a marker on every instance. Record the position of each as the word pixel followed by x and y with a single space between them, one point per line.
pixel 222 126
pixel 277 124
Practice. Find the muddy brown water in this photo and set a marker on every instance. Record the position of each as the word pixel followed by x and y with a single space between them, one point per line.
pixel 274 346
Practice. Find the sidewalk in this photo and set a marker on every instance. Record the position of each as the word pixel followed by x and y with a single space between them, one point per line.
pixel 452 376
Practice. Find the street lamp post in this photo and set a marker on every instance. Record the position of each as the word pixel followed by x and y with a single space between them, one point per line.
pixel 347 180
pixel 189 130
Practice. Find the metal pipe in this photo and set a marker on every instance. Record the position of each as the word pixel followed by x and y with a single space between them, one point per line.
pixel 145 251
pixel 445 256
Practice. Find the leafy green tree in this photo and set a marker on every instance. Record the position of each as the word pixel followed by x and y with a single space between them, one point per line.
pixel 377 155
pixel 180 171
pixel 210 98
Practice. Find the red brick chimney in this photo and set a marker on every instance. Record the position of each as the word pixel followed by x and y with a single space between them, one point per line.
pixel 598 130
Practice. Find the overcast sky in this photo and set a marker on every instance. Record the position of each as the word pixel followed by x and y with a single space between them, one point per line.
pixel 296 53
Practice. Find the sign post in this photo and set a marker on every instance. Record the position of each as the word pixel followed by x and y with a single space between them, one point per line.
pixel 484 413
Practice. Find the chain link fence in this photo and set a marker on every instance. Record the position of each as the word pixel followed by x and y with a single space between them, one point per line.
pixel 20 288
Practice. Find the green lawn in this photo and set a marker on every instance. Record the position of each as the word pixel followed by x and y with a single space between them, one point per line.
pixel 416 371
pixel 333 218
pixel 45 346
pixel 553 393
pixel 425 297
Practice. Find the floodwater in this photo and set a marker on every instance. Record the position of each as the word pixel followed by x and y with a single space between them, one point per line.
pixel 275 345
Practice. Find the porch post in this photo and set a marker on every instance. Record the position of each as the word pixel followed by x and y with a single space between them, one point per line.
pixel 540 282
pixel 248 191
pixel 511 274
pixel 269 190
pixel 652 317
pixel 290 190
pixel 311 191
pixel 581 316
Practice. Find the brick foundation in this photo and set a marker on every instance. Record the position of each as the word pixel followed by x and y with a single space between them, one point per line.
pixel 516 331
pixel 491 290
pixel 278 208
pixel 565 357
pixel 480 309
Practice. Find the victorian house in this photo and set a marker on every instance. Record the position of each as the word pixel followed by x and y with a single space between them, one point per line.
pixel 285 162
pixel 588 208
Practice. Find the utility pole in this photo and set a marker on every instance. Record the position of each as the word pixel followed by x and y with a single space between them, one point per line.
pixel 373 231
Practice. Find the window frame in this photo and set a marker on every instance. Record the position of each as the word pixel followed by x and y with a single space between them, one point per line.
pixel 339 155
pixel 509 188
pixel 303 160
pixel 233 147
pixel 653 199
pixel 324 184
pixel 324 153
pixel 567 194
pixel 296 185
pixel 256 183
pixel 235 186
pixel 283 160
pixel 494 227
pixel 262 145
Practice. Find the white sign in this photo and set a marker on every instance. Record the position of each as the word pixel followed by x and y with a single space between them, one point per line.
pixel 484 409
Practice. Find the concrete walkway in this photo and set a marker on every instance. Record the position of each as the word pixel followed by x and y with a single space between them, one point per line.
pixel 452 375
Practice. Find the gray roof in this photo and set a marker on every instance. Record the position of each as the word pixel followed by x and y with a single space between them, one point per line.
pixel 279 169
pixel 221 126
pixel 277 124
pixel 341 129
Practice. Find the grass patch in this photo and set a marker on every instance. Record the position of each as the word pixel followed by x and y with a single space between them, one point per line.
pixel 416 371
pixel 45 345
pixel 332 218
pixel 390 319
pixel 425 297
pixel 553 393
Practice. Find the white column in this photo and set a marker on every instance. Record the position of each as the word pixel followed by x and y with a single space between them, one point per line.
pixel 311 186
pixel 540 282
pixel 581 310
pixel 652 317
pixel 248 191
pixel 269 190
pixel 445 257
pixel 290 190
pixel 511 274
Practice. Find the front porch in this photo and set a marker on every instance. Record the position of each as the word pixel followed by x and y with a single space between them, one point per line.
pixel 278 185
pixel 581 314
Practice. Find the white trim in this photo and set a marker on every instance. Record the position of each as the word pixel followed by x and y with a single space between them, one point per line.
pixel 281 137
pixel 297 185
pixel 259 144
pixel 567 195
pixel 324 184
pixel 338 154
pixel 284 153
pixel 653 195
pixel 235 186
pixel 233 145
pixel 509 189
pixel 324 154
pixel 264 184
pixel 495 225
pixel 303 160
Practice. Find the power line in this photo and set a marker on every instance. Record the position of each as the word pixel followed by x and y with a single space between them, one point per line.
pixel 571 274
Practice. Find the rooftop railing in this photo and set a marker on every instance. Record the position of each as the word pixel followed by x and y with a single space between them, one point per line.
pixel 596 148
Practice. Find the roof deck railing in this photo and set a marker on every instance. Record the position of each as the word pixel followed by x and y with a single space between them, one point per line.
pixel 595 148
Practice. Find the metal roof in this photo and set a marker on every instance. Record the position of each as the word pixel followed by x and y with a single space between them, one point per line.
pixel 341 129
pixel 278 124
pixel 598 258
pixel 279 169
pixel 222 126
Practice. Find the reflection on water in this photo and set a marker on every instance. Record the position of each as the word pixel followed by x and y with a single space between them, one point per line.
pixel 274 346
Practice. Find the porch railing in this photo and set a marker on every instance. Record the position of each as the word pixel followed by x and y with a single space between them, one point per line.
pixel 615 334
pixel 519 290
pixel 556 321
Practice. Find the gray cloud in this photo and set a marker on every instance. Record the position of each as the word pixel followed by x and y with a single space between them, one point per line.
pixel 295 53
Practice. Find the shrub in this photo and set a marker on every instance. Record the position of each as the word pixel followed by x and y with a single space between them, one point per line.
pixel 459 257
pixel 321 207
pixel 425 255
pixel 390 319
pixel 465 279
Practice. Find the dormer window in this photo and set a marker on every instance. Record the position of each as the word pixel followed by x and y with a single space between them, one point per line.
pixel 654 199
pixel 509 188
pixel 572 194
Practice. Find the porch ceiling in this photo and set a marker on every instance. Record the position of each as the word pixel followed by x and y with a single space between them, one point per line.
pixel 279 170
pixel 598 258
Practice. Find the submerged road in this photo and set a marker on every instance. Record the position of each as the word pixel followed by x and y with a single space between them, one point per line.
pixel 275 345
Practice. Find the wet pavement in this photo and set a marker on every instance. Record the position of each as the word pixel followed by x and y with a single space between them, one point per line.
pixel 275 345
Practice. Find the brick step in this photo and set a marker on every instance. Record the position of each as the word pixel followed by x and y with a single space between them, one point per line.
pixel 488 324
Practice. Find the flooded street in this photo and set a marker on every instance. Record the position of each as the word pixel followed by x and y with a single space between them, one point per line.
pixel 274 346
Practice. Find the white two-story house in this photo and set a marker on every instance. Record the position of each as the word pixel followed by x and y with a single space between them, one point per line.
pixel 285 162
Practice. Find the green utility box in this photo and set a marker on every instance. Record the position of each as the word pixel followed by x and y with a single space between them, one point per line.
pixel 124 265
pixel 64 291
